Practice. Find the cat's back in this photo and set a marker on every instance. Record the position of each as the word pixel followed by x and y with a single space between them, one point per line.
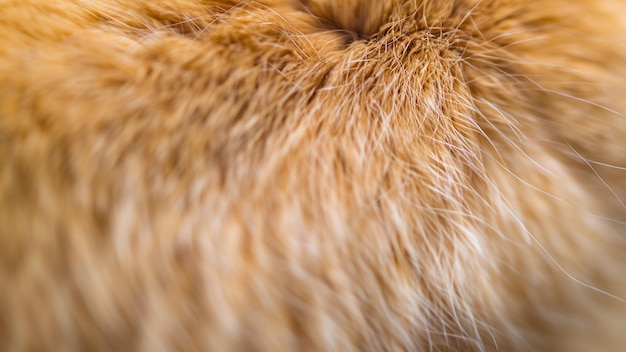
pixel 312 175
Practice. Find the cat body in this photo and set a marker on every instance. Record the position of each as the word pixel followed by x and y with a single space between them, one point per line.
pixel 213 175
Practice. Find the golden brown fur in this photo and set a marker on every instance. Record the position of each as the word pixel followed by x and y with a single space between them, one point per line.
pixel 394 175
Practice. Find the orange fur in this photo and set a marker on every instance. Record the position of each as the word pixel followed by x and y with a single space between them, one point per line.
pixel 312 175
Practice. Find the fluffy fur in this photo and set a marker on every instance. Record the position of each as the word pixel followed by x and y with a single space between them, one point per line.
pixel 394 175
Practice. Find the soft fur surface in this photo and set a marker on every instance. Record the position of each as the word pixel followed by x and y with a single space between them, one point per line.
pixel 393 175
